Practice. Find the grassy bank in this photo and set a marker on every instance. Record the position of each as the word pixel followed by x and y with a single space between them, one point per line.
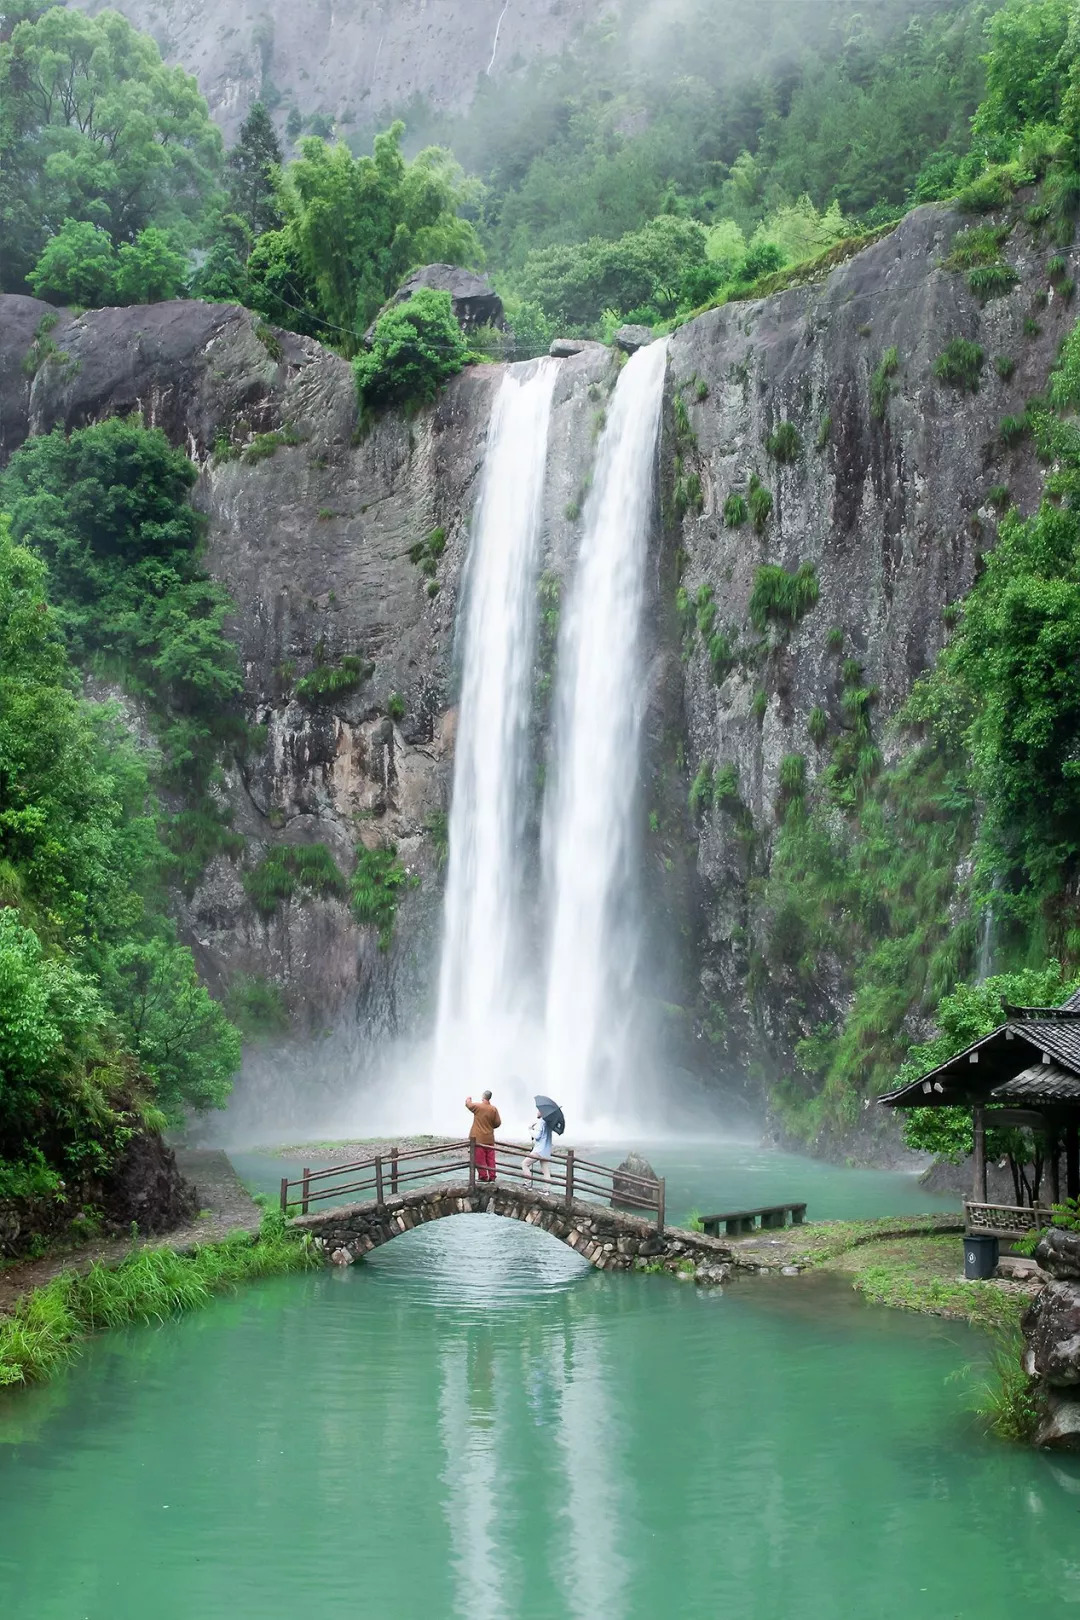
pixel 921 1274
pixel 909 1262
pixel 49 1324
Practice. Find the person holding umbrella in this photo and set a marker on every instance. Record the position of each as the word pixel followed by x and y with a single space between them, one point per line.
pixel 549 1117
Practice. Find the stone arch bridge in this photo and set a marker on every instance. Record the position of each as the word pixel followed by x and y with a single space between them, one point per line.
pixel 608 1237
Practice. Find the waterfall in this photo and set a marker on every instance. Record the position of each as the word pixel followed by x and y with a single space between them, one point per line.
pixel 482 995
pixel 591 832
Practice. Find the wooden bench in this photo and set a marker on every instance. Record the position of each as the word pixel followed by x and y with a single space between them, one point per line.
pixel 738 1221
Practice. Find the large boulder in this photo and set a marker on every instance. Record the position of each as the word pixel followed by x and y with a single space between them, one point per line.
pixel 1052 1331
pixel 626 1192
pixel 145 1188
pixel 1059 1426
pixel 1058 1253
pixel 475 302
pixel 631 338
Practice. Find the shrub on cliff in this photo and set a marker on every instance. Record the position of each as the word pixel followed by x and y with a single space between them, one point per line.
pixel 107 508
pixel 416 346
pixel 101 1011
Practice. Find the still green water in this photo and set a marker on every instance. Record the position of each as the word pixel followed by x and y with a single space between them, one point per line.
pixel 476 1424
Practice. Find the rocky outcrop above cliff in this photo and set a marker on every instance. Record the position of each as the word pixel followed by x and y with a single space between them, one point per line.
pixel 879 474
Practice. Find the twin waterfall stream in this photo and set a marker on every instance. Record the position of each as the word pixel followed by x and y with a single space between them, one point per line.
pixel 540 947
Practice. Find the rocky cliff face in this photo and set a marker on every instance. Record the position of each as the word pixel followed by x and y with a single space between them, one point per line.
pixel 351 63
pixel 888 503
pixel 310 529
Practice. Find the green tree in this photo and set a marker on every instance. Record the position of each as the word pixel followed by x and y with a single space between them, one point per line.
pixel 359 225
pixel 180 1035
pixel 280 287
pixel 107 508
pixel 94 127
pixel 574 285
pixel 149 270
pixel 1027 68
pixel 77 266
pixel 416 346
pixel 251 173
pixel 99 1004
pixel 968 1013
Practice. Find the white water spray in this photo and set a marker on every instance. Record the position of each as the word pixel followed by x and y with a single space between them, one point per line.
pixel 481 983
pixel 596 922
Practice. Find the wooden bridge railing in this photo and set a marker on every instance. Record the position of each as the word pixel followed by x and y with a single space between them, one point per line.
pixel 386 1174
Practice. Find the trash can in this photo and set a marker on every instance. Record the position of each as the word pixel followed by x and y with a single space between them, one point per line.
pixel 980 1256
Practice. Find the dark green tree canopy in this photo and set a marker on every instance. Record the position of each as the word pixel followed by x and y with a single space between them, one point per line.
pixel 251 173
pixel 95 128
pixel 357 226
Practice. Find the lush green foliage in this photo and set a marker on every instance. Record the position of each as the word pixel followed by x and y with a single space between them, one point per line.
pixel 331 680
pixel 360 224
pixel 967 1013
pixel 785 444
pixel 48 1325
pixel 291 868
pixel 416 346
pixel 782 597
pixel 960 363
pixel 107 509
pixel 101 1012
pixel 95 130
pixel 645 271
pixel 881 384
pixel 376 887
pixel 257 1008
pixel 79 265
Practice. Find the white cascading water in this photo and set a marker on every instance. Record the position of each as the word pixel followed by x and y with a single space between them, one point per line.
pixel 481 1006
pixel 592 823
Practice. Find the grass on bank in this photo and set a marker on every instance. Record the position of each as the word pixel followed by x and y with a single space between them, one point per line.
pixel 922 1274
pixel 49 1324
pixel 910 1263
pixel 1005 1398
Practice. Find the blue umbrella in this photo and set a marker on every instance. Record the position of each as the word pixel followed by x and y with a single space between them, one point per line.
pixel 550 1110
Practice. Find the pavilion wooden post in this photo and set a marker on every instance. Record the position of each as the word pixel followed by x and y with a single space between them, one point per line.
pixel 393 1170
pixel 1053 1154
pixel 472 1164
pixel 1072 1159
pixel 304 1195
pixel 569 1176
pixel 978 1116
pixel 379 1198
pixel 284 1195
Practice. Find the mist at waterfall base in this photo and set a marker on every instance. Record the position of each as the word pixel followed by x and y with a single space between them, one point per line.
pixel 539 982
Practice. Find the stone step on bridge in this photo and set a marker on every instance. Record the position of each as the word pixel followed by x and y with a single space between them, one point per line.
pixel 583 1205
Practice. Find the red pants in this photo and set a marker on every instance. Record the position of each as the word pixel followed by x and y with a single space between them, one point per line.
pixel 485 1161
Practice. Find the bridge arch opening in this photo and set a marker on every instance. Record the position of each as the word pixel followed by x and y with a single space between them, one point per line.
pixel 484 1260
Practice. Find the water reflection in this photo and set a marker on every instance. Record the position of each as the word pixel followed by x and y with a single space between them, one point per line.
pixel 554 1370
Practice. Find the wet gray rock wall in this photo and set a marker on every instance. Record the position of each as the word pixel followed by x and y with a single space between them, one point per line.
pixel 893 515
pixel 311 536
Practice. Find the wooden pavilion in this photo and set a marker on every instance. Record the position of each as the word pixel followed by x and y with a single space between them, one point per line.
pixel 1025 1073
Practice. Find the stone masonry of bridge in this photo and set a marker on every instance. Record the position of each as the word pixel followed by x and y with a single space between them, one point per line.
pixel 609 1239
